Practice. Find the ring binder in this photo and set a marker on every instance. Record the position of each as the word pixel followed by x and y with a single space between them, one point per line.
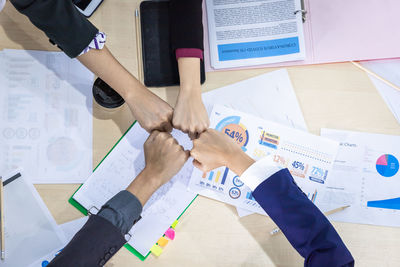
pixel 303 11
pixel 127 237
pixel 90 210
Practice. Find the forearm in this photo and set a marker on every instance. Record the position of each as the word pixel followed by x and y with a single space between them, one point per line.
pixel 103 64
pixel 144 185
pixel 189 75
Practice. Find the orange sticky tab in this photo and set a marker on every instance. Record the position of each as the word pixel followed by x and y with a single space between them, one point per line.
pixel 156 250
pixel 170 233
pixel 162 242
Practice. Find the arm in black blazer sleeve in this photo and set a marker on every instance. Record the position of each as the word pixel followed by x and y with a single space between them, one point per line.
pixel 103 234
pixel 60 21
pixel 93 245
pixel 186 26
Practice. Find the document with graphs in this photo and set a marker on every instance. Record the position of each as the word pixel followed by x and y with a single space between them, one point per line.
pixel 308 157
pixel 365 176
pixel 254 32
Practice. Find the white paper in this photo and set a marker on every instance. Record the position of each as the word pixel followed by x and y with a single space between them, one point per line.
pixel 254 32
pixel 308 157
pixel 30 230
pixel 356 180
pixel 69 229
pixel 119 169
pixel 389 70
pixel 269 96
pixel 46 116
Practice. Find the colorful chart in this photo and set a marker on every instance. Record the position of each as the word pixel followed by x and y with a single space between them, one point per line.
pixel 387 165
pixel 249 196
pixel 393 204
pixel 232 127
pixel 215 175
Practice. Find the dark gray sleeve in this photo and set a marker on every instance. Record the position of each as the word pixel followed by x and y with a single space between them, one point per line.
pixel 61 21
pixel 123 211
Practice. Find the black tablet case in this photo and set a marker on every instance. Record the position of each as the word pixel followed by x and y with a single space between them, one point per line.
pixel 160 67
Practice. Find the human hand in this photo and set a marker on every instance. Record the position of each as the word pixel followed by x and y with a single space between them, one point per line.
pixel 214 149
pixel 164 158
pixel 190 115
pixel 152 112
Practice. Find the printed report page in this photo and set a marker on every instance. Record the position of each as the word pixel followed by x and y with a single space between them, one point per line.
pixel 254 32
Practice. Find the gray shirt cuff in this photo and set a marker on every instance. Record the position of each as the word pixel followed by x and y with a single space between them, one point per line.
pixel 123 211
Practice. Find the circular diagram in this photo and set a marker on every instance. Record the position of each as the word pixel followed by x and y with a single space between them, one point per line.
pixel 387 165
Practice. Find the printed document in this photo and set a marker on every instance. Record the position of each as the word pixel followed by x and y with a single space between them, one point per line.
pixel 269 96
pixel 309 158
pixel 365 176
pixel 46 116
pixel 254 32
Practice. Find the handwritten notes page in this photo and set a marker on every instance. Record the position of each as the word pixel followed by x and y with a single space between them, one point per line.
pixel 119 169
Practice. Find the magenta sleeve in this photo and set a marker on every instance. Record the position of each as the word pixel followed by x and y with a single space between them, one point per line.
pixel 188 52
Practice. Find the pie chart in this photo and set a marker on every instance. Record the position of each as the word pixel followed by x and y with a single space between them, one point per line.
pixel 387 165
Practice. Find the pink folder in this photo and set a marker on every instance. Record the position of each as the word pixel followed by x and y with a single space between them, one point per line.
pixel 343 30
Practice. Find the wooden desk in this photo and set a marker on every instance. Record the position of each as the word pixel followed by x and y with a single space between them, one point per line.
pixel 210 233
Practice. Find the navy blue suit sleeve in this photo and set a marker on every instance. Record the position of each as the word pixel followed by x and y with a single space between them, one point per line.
pixel 303 224
pixel 93 245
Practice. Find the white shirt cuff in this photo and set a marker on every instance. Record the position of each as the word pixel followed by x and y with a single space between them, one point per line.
pixel 97 43
pixel 260 171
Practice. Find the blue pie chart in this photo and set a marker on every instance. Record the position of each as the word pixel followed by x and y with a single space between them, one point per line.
pixel 387 165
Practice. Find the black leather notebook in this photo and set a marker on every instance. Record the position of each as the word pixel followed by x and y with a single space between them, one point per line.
pixel 160 67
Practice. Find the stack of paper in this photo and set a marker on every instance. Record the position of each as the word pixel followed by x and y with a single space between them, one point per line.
pixel 46 116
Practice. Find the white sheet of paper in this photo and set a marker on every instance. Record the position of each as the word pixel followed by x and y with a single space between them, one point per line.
pixel 30 230
pixel 390 70
pixel 254 32
pixel 46 122
pixel 269 96
pixel 308 157
pixel 119 169
pixel 366 176
pixel 69 229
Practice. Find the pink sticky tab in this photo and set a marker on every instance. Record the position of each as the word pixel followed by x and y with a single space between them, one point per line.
pixel 170 233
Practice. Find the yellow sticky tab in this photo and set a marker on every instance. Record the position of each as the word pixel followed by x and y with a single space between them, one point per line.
pixel 156 250
pixel 173 225
pixel 162 241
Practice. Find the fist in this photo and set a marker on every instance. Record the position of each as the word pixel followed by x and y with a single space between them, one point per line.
pixel 214 149
pixel 164 157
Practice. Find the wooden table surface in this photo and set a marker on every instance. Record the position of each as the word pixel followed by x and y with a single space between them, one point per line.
pixel 210 233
